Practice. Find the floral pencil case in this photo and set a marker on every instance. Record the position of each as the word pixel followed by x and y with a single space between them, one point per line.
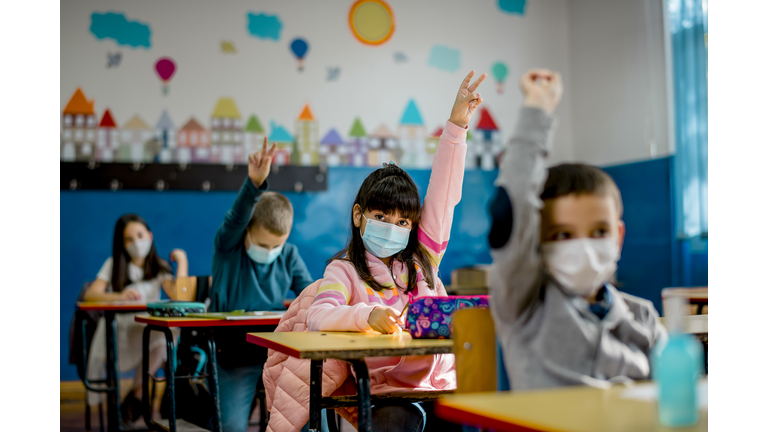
pixel 430 317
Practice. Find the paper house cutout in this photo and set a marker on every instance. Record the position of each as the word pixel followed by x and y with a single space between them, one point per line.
pixel 483 149
pixel 307 146
pixel 284 142
pixel 254 136
pixel 383 146
pixel 412 134
pixel 78 129
pixel 108 138
pixel 357 146
pixel 333 150
pixel 193 143
pixel 227 138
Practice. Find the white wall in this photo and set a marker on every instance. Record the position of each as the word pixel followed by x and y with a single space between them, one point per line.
pixel 617 80
pixel 263 78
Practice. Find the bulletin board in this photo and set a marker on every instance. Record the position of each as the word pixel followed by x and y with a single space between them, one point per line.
pixel 175 95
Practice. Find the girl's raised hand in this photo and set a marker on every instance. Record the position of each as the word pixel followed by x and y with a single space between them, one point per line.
pixel 259 164
pixel 467 101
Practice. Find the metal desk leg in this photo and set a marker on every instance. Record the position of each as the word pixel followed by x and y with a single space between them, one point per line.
pixel 113 374
pixel 146 397
pixel 363 395
pixel 170 378
pixel 315 393
pixel 214 383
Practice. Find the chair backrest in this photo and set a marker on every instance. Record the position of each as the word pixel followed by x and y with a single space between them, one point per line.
pixel 474 344
pixel 191 289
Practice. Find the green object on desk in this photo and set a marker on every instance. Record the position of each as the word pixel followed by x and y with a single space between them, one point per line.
pixel 235 315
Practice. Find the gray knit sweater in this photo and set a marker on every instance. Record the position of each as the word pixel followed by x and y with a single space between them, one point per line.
pixel 550 337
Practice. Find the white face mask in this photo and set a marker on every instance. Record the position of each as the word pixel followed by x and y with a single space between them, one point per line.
pixel 581 266
pixel 139 248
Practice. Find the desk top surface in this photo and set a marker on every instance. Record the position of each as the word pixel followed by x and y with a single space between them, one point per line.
pixel 348 345
pixel 568 409
pixel 695 324
pixel 203 322
pixel 125 306
pixel 697 294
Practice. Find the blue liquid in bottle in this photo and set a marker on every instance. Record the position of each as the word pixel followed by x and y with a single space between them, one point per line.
pixel 677 367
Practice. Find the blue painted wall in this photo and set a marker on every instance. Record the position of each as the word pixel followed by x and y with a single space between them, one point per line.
pixel 651 259
pixel 189 220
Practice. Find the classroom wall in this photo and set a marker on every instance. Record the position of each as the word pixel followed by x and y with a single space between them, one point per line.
pixel 262 76
pixel 617 81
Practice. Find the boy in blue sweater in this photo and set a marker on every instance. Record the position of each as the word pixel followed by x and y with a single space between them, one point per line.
pixel 253 268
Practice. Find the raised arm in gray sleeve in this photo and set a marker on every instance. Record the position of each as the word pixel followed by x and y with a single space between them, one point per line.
pixel 516 271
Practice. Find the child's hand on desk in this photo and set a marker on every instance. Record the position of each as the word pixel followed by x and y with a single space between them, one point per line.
pixel 259 164
pixel 542 89
pixel 385 320
pixel 130 295
pixel 467 101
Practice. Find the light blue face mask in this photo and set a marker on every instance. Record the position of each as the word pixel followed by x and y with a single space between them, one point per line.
pixel 262 255
pixel 384 239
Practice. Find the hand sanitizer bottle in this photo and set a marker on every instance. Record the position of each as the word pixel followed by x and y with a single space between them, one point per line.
pixel 677 366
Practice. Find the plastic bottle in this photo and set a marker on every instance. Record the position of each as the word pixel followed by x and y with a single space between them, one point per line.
pixel 677 366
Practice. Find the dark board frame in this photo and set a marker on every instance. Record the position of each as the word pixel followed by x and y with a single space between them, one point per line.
pixel 194 177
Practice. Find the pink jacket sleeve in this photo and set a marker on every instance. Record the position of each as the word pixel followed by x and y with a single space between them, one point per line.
pixel 443 192
pixel 331 310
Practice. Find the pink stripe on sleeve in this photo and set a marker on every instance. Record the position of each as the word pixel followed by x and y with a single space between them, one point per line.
pixel 428 242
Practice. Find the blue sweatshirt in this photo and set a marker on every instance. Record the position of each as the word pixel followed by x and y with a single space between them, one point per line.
pixel 238 281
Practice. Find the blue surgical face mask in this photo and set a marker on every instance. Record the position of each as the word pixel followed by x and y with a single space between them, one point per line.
pixel 384 239
pixel 262 255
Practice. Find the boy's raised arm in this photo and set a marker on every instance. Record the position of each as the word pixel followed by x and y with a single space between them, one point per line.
pixel 517 268
pixel 230 233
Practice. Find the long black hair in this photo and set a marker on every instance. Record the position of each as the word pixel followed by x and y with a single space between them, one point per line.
pixel 388 189
pixel 153 264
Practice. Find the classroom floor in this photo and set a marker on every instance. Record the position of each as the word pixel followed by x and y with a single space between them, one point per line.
pixel 72 409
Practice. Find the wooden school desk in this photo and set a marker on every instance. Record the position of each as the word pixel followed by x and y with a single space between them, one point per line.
pixel 696 296
pixel 352 348
pixel 565 409
pixel 112 381
pixel 206 326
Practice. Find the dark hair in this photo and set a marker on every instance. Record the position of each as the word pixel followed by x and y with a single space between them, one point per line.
pixel 153 264
pixel 578 179
pixel 388 189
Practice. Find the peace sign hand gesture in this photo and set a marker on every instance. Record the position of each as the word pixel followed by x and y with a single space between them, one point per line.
pixel 467 101
pixel 259 164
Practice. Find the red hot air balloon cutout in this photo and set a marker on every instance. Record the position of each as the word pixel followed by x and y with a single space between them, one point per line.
pixel 165 68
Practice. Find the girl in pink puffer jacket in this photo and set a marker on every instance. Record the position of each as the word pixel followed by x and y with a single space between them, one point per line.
pixel 395 248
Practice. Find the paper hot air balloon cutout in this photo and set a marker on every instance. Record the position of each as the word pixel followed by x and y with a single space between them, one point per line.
pixel 299 47
pixel 165 68
pixel 499 71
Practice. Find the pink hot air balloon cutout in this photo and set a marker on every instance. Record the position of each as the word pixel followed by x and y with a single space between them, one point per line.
pixel 165 68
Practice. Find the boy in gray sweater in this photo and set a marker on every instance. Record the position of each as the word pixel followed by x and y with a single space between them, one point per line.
pixel 556 236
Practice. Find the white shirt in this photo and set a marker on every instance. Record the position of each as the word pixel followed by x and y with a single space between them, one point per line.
pixel 148 289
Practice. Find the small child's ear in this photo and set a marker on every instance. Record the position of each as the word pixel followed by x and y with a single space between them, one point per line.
pixel 356 215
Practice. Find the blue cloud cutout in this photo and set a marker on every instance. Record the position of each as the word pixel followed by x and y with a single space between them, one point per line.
pixel 264 26
pixel 116 26
pixel 512 6
pixel 445 58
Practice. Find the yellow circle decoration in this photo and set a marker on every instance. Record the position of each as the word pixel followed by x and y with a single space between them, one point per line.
pixel 372 21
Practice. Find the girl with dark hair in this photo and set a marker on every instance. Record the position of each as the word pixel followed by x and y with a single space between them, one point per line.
pixel 393 253
pixel 134 272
